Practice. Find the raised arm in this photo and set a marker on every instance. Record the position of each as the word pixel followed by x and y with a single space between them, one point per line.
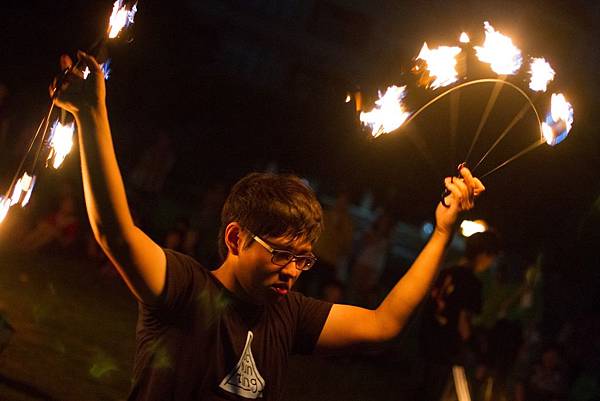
pixel 348 325
pixel 139 260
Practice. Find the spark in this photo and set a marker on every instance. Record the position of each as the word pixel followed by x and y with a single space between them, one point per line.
pixel 541 74
pixel 120 18
pixel 440 64
pixel 389 112
pixel 559 121
pixel 498 51
pixel 61 142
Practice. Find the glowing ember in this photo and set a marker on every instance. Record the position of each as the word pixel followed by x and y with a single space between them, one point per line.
pixel 61 141
pixel 388 113
pixel 541 74
pixel 559 121
pixel 120 18
pixel 464 38
pixel 440 64
pixel 498 51
pixel 468 228
pixel 4 206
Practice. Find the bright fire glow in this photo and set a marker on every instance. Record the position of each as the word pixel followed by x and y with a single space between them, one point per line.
pixel 61 142
pixel 29 191
pixel 468 227
pixel 559 121
pixel 4 206
pixel 389 112
pixel 120 18
pixel 464 38
pixel 498 51
pixel 541 74
pixel 22 190
pixel 441 64
pixel 105 70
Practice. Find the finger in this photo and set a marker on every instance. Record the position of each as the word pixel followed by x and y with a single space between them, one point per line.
pixel 468 177
pixel 479 188
pixel 456 195
pixel 65 62
pixel 467 196
pixel 89 61
pixel 459 193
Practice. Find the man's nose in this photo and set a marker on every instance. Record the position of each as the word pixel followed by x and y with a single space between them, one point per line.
pixel 291 270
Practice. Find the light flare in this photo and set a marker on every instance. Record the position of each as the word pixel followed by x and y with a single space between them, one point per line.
pixel 559 121
pixel 498 51
pixel 4 206
pixel 61 142
pixel 541 74
pixel 120 18
pixel 464 38
pixel 468 227
pixel 389 112
pixel 440 64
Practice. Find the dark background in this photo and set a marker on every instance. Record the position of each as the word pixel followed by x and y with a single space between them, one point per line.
pixel 241 84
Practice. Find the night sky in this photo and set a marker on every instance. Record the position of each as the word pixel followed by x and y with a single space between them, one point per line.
pixel 180 76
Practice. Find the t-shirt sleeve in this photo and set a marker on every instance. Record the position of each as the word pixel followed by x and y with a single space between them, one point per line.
pixel 311 316
pixel 183 275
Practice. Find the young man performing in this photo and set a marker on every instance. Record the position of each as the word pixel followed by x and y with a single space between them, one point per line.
pixel 227 334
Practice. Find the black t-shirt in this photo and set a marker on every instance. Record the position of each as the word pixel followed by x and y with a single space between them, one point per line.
pixel 202 343
pixel 457 289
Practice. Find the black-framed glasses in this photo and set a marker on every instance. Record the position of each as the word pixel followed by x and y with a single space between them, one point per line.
pixel 282 257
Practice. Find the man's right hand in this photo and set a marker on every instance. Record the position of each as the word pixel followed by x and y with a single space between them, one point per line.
pixel 76 94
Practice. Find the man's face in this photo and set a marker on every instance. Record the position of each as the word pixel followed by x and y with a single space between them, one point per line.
pixel 260 278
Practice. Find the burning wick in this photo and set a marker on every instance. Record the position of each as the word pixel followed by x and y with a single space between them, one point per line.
pixel 61 141
pixel 541 74
pixel 559 121
pixel 498 51
pixel 388 113
pixel 120 18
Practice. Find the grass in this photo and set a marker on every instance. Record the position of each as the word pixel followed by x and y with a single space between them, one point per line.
pixel 75 332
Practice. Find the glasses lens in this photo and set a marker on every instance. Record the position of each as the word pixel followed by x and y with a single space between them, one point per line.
pixel 281 258
pixel 305 262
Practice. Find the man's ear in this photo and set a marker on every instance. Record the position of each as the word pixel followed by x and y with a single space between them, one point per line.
pixel 233 238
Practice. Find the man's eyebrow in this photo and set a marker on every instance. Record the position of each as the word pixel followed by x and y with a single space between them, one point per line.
pixel 287 246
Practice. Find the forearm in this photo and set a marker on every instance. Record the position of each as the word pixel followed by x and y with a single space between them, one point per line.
pixel 104 191
pixel 399 304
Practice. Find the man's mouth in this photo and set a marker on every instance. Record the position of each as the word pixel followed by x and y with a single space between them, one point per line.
pixel 281 289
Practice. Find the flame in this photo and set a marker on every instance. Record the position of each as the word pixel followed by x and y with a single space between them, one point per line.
pixel 464 38
pixel 389 112
pixel 468 227
pixel 4 206
pixel 559 121
pixel 440 64
pixel 22 190
pixel 61 141
pixel 541 74
pixel 29 190
pixel 120 18
pixel 105 70
pixel 499 51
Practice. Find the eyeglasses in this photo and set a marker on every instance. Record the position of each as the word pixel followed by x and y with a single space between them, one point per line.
pixel 282 257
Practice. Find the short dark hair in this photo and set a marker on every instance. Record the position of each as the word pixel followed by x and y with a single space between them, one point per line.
pixel 272 205
pixel 486 242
